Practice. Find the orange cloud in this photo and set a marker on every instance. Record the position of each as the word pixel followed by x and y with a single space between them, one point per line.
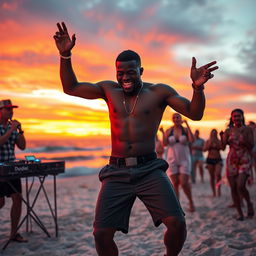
pixel 29 75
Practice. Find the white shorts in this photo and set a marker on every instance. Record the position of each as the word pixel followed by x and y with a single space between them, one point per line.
pixel 184 168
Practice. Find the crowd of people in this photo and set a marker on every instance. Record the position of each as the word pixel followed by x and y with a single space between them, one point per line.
pixel 184 150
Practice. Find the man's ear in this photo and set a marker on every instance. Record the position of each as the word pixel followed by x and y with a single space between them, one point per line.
pixel 141 70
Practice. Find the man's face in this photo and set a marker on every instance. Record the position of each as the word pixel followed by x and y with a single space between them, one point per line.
pixel 128 75
pixel 6 113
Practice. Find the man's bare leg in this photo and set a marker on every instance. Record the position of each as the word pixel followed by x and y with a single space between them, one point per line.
pixel 15 212
pixel 175 235
pixel 104 241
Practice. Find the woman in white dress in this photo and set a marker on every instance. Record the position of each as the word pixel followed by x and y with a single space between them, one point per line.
pixel 177 139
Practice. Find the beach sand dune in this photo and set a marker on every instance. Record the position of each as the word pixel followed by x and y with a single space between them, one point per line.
pixel 212 229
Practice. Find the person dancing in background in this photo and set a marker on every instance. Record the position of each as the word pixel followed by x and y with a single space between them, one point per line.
pixel 239 137
pixel 177 139
pixel 135 111
pixel 11 135
pixel 214 161
pixel 253 126
pixel 197 157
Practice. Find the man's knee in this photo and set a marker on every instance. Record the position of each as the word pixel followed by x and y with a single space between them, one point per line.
pixel 102 235
pixel 175 224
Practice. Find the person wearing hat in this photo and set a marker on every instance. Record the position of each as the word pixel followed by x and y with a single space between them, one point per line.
pixel 11 134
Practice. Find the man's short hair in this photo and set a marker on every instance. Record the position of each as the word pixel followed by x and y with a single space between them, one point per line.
pixel 129 55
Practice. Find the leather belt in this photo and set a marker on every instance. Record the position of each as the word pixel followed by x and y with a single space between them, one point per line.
pixel 131 161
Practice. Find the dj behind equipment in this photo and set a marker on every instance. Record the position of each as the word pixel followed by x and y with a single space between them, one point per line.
pixel 12 170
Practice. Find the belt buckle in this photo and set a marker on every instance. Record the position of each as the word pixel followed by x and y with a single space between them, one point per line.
pixel 131 161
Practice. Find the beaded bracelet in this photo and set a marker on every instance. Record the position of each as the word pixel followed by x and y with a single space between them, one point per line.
pixel 66 57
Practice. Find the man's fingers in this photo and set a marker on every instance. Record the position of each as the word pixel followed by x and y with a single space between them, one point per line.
pixel 73 38
pixel 209 64
pixel 64 27
pixel 60 28
pixel 193 62
pixel 208 76
pixel 57 35
pixel 212 69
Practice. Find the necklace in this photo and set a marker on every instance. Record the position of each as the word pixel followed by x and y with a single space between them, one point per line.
pixel 135 102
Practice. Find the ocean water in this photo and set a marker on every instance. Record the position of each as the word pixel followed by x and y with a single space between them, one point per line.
pixel 82 157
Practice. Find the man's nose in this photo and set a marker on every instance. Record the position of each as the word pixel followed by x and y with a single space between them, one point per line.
pixel 126 76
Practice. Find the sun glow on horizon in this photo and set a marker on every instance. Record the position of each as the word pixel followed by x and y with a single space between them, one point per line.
pixel 29 60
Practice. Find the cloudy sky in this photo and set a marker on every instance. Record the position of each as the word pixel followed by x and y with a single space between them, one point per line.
pixel 166 33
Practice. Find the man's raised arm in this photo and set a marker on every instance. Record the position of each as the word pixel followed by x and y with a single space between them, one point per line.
pixel 68 78
pixel 194 109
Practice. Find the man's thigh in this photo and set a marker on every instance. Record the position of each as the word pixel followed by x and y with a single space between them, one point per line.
pixel 157 193
pixel 114 205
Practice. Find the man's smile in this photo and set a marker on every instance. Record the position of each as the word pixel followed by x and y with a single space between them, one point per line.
pixel 127 86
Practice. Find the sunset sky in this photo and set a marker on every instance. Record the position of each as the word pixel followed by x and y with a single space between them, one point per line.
pixel 166 33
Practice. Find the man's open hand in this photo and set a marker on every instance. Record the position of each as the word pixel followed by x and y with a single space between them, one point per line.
pixel 63 41
pixel 201 75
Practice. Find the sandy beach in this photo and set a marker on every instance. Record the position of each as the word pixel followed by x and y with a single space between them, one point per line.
pixel 212 229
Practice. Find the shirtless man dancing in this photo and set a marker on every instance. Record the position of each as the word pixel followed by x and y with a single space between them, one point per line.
pixel 135 112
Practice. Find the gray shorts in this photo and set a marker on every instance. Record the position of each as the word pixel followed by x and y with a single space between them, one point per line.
pixel 121 186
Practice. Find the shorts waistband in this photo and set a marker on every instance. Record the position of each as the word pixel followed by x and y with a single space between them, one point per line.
pixel 131 161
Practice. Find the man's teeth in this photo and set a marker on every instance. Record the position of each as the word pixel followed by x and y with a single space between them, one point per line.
pixel 127 84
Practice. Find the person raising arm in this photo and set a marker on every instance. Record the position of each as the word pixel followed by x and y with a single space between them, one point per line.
pixel 135 111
